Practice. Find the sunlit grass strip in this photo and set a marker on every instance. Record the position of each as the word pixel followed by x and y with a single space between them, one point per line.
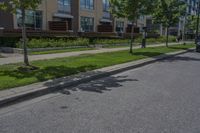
pixel 11 77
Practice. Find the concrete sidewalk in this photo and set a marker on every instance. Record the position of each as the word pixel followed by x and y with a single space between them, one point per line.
pixel 18 59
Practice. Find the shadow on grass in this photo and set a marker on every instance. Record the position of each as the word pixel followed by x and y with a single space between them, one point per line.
pixel 177 48
pixel 46 73
pixel 154 54
pixel 147 54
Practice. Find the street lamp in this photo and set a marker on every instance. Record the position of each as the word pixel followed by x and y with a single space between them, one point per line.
pixel 197 41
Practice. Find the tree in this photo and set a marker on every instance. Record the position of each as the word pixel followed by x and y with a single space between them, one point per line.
pixel 168 13
pixel 191 23
pixel 12 6
pixel 131 9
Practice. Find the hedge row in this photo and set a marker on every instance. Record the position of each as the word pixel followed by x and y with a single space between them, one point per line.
pixel 60 42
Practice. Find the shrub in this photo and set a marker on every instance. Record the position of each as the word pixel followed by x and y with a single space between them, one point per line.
pixel 50 43
pixel 46 43
pixel 111 41
pixel 8 41
pixel 161 39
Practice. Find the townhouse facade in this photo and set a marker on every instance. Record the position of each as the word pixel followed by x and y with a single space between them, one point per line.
pixel 69 15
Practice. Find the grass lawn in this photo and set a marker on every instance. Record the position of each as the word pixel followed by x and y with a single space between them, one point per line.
pixel 11 76
pixel 60 51
pixel 120 46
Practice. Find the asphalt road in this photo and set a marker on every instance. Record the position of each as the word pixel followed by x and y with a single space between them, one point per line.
pixel 163 97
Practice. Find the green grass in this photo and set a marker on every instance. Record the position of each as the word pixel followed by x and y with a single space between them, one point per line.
pixel 11 76
pixel 60 51
pixel 115 46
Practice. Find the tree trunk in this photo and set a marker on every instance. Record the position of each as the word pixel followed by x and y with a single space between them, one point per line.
pixel 167 37
pixel 144 39
pixel 132 38
pixel 24 38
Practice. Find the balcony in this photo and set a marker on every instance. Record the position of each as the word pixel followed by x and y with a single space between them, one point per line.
pixel 58 25
pixel 105 28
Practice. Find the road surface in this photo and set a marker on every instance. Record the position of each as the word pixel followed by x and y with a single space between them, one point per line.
pixel 163 97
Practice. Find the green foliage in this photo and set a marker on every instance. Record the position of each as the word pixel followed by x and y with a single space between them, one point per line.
pixel 160 39
pixel 111 41
pixel 51 43
pixel 131 9
pixel 13 5
pixel 168 12
pixel 47 43
pixel 8 41
pixel 22 5
pixel 191 22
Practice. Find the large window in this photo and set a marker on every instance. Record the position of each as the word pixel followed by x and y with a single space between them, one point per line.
pixel 87 4
pixel 119 26
pixel 106 5
pixel 33 19
pixel 87 24
pixel 64 6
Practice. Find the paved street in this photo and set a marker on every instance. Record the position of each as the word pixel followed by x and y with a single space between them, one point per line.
pixel 163 97
pixel 16 58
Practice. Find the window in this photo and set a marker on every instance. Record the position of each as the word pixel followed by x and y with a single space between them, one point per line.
pixel 106 5
pixel 33 19
pixel 87 4
pixel 64 6
pixel 87 24
pixel 119 26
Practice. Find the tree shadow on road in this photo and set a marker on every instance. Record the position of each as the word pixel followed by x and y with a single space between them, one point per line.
pixel 181 58
pixel 99 85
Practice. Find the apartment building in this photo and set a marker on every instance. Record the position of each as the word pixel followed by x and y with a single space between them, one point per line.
pixel 68 15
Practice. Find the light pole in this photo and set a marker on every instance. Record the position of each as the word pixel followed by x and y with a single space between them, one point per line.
pixel 197 28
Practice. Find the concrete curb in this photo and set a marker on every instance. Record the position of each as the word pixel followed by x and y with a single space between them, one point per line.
pixel 19 94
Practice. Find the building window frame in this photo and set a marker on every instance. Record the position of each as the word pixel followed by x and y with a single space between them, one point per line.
pixel 119 26
pixel 33 19
pixel 87 4
pixel 87 24
pixel 64 6
pixel 106 5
